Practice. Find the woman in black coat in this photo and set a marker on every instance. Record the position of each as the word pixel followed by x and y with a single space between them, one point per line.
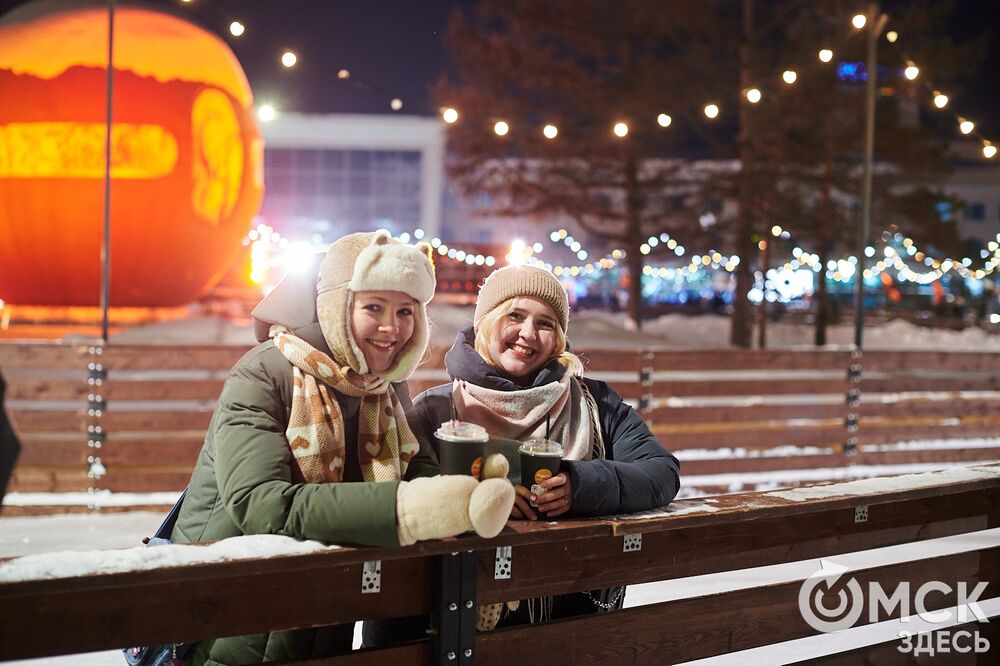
pixel 514 376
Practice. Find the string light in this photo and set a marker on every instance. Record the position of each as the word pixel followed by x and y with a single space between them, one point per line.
pixel 789 76
pixel 711 111
pixel 966 126
pixel 396 104
pixel 664 120
pixel 343 74
pixel 859 21
pixel 501 128
pixel 911 72
pixel 266 113
pixel 288 59
pixel 236 29
pixel 754 95
pixel 825 55
pixel 989 150
pixel 550 131
pixel 620 129
pixel 940 100
pixel 892 36
pixel 449 115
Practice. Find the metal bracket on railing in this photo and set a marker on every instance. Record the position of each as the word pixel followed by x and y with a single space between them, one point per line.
pixel 371 577
pixel 645 401
pixel 502 563
pixel 861 514
pixel 632 543
pixel 646 376
pixel 453 622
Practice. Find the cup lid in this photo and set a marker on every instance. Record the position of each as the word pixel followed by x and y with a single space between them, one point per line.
pixel 540 446
pixel 461 431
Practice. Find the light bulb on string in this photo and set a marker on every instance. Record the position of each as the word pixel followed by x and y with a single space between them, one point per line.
pixel 236 29
pixel 343 74
pixel 892 36
pixel 911 72
pixel 288 59
pixel 501 128
pixel 789 76
pixel 266 113
pixel 664 120
pixel 940 100
pixel 825 55
pixel 550 131
pixel 449 115
pixel 753 95
pixel 966 126
pixel 620 129
pixel 711 111
pixel 396 104
pixel 859 21
pixel 989 150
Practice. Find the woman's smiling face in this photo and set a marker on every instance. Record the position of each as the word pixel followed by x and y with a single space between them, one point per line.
pixel 382 323
pixel 523 340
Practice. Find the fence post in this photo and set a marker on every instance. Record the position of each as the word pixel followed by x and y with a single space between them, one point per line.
pixel 453 620
pixel 853 419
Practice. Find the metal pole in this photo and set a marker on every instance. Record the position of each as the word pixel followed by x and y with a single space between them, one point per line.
pixel 875 25
pixel 106 245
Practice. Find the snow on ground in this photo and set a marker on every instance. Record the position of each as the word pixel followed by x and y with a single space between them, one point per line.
pixel 595 329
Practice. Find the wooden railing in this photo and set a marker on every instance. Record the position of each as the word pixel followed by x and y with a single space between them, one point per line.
pixel 133 417
pixel 937 526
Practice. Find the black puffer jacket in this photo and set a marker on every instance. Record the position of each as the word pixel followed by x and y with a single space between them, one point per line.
pixel 638 472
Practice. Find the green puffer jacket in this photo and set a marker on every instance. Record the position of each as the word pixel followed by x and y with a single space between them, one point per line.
pixel 242 484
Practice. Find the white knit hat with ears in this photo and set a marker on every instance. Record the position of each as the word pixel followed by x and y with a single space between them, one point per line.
pixel 373 261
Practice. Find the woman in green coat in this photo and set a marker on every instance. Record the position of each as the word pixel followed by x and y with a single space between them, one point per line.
pixel 309 438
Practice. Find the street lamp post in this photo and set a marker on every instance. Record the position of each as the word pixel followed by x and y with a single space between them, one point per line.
pixel 875 23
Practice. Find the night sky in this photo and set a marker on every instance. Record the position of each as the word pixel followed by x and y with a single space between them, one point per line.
pixel 395 48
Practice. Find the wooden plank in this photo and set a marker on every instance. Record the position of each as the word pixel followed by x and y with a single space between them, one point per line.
pixel 736 465
pixel 926 456
pixel 727 414
pixel 760 538
pixel 155 421
pixel 908 383
pixel 28 479
pixel 129 480
pixel 609 360
pixel 751 436
pixel 956 406
pixel 889 434
pixel 48 421
pixel 173 389
pixel 24 388
pixel 748 387
pixel 743 359
pixel 172 357
pixel 204 601
pixel 711 625
pixel 42 355
pixel 930 360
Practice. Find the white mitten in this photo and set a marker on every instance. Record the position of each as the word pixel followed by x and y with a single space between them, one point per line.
pixel 443 506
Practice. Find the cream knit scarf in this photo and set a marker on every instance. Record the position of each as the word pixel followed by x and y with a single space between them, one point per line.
pixel 564 408
pixel 315 430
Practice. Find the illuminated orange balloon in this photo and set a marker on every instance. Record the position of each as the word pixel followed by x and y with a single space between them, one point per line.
pixel 187 172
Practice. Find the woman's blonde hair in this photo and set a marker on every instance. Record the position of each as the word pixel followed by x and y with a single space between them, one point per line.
pixel 490 322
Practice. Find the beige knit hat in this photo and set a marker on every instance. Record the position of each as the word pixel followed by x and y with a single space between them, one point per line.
pixel 513 281
pixel 372 261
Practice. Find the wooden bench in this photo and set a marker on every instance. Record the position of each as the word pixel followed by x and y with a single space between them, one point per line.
pixel 736 566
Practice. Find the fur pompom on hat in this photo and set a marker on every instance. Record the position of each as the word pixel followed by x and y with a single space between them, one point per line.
pixel 372 261
pixel 514 281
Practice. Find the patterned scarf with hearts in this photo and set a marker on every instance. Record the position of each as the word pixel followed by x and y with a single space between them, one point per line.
pixel 315 430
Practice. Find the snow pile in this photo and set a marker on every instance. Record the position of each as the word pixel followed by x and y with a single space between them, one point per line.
pixel 888 484
pixel 70 564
